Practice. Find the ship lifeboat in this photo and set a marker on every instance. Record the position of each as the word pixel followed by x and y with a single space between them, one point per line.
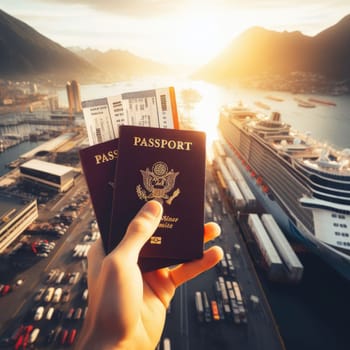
pixel 259 180
pixel 265 188
pixel 252 174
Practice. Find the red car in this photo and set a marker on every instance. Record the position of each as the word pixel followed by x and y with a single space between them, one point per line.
pixel 71 336
pixel 64 335
pixel 5 289
pixel 19 342
pixel 26 335
pixel 15 335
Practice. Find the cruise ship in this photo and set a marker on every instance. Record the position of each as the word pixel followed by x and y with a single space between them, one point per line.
pixel 304 184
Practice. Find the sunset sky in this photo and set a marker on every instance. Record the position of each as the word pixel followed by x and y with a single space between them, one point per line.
pixel 171 31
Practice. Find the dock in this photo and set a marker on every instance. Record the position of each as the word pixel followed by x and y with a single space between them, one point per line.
pixel 225 307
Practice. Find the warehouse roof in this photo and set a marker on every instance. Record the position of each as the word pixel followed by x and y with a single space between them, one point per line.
pixel 50 168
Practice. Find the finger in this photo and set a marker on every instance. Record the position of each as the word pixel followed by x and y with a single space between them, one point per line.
pixel 187 271
pixel 211 231
pixel 141 228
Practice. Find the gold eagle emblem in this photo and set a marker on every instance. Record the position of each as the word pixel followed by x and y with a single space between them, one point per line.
pixel 158 183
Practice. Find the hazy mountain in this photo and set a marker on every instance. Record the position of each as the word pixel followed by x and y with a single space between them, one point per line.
pixel 332 50
pixel 258 51
pixel 120 64
pixel 26 53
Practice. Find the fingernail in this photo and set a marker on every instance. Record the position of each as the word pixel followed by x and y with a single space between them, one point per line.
pixel 153 207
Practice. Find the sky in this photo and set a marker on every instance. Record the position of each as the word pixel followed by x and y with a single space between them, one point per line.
pixel 189 32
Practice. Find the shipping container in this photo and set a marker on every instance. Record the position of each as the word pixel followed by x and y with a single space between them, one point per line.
pixel 207 308
pixel 221 181
pixel 166 344
pixel 234 170
pixel 268 251
pixel 224 294
pixel 248 195
pixel 215 310
pixel 199 306
pixel 294 267
pixel 235 195
pixel 230 266
pixel 237 292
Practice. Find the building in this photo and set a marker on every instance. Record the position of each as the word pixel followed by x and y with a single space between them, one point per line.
pixel 48 175
pixel 73 95
pixel 53 103
pixel 16 214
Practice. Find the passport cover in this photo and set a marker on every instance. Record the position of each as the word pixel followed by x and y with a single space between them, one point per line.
pixel 169 166
pixel 98 163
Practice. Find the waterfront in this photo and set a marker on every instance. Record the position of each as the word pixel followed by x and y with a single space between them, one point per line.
pixel 326 123
pixel 316 313
pixel 14 153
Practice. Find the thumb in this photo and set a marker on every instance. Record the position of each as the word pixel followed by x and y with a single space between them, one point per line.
pixel 141 228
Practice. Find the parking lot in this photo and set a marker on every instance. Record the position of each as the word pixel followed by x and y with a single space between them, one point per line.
pixel 43 284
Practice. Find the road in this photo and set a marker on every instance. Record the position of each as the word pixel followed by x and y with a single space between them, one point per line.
pixel 260 331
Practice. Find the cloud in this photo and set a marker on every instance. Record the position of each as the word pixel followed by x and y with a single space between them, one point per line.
pixel 139 9
pixel 143 8
pixel 130 8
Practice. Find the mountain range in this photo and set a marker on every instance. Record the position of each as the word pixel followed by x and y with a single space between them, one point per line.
pixel 25 53
pixel 120 64
pixel 260 51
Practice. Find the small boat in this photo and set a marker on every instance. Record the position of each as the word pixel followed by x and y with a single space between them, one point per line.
pixel 324 102
pixel 262 105
pixel 275 98
pixel 304 103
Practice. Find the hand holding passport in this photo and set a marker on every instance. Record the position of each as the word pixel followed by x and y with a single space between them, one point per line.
pixel 142 164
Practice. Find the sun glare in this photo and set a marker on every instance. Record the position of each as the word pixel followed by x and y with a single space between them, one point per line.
pixel 202 114
pixel 198 36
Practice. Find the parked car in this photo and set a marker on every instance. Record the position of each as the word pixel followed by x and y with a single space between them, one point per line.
pixel 6 289
pixel 69 314
pixel 74 278
pixel 64 335
pixel 39 313
pixel 49 294
pixel 57 295
pixel 77 313
pixel 85 294
pixel 50 313
pixel 51 275
pixel 71 336
pixel 34 335
pixel 39 294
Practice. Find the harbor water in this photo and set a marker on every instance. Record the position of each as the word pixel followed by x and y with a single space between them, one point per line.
pixel 316 313
pixel 13 153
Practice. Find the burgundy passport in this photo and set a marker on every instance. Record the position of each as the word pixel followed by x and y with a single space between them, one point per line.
pixel 167 165
pixel 98 163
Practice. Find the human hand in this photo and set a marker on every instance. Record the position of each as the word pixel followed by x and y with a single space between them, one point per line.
pixel 127 308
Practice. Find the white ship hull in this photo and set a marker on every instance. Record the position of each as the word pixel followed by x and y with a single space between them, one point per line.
pixel 330 222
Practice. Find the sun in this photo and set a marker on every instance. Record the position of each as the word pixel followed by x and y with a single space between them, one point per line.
pixel 199 36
